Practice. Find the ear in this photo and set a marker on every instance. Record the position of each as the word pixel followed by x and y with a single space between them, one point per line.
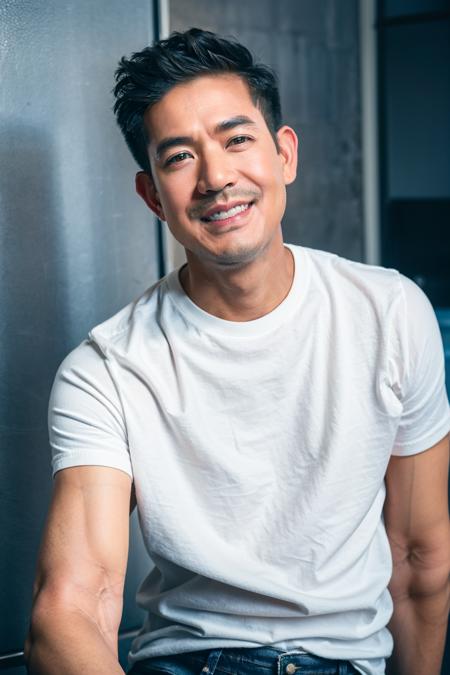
pixel 145 187
pixel 288 148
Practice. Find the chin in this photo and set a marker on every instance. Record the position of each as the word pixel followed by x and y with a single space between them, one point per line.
pixel 235 256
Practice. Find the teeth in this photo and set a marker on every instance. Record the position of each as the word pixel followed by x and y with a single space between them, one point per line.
pixel 222 215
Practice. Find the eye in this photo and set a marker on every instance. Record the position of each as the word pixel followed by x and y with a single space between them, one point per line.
pixel 179 157
pixel 239 140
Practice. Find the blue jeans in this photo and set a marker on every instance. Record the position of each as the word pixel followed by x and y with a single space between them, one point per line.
pixel 259 661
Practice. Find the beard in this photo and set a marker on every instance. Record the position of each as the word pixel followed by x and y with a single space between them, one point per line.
pixel 236 255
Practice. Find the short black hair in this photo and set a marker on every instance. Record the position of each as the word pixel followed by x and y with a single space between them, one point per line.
pixel 148 75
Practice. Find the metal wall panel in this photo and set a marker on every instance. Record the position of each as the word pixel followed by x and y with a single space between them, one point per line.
pixel 76 244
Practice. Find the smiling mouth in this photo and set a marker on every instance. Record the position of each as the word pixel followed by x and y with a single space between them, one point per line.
pixel 226 215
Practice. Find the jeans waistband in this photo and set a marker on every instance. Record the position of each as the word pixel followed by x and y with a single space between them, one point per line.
pixel 287 662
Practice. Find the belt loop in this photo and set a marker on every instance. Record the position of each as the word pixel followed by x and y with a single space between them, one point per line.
pixel 211 662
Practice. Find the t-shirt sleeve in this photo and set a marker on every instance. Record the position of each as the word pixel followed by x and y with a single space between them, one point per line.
pixel 85 420
pixel 425 417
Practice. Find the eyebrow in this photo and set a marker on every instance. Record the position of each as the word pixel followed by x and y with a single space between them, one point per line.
pixel 238 121
pixel 226 125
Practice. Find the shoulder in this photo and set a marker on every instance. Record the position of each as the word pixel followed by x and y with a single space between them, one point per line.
pixel 83 374
pixel 137 316
pixel 353 270
pixel 375 295
pixel 88 362
pixel 332 264
pixel 353 284
pixel 417 306
pixel 409 317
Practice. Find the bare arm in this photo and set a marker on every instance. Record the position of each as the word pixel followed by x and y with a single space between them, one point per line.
pixel 417 524
pixel 78 593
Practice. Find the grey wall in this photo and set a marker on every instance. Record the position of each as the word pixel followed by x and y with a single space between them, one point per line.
pixel 313 46
pixel 76 244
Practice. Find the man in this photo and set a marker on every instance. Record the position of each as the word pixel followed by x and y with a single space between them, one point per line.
pixel 279 413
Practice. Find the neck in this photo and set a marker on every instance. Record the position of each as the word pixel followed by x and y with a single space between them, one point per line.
pixel 242 294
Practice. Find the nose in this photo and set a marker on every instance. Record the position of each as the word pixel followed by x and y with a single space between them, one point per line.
pixel 216 171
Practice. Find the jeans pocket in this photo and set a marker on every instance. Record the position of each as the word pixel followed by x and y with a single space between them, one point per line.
pixel 147 669
pixel 178 664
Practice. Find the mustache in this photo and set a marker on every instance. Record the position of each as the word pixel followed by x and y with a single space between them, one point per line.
pixel 223 196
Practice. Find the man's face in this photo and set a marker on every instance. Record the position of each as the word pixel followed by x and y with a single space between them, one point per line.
pixel 217 178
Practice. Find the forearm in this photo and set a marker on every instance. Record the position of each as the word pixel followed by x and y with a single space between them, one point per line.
pixel 69 643
pixel 418 626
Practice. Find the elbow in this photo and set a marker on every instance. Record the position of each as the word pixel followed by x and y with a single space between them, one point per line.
pixel 47 616
pixel 28 653
pixel 422 581
pixel 429 583
pixel 30 648
pixel 430 569
pixel 34 628
pixel 35 637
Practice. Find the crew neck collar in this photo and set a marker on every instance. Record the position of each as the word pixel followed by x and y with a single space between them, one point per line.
pixel 210 323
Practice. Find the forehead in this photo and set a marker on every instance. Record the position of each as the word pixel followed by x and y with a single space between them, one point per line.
pixel 202 102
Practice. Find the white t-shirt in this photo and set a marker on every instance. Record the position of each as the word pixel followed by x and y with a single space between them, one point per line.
pixel 258 451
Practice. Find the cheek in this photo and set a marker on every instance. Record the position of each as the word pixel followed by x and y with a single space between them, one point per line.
pixel 174 195
pixel 267 170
